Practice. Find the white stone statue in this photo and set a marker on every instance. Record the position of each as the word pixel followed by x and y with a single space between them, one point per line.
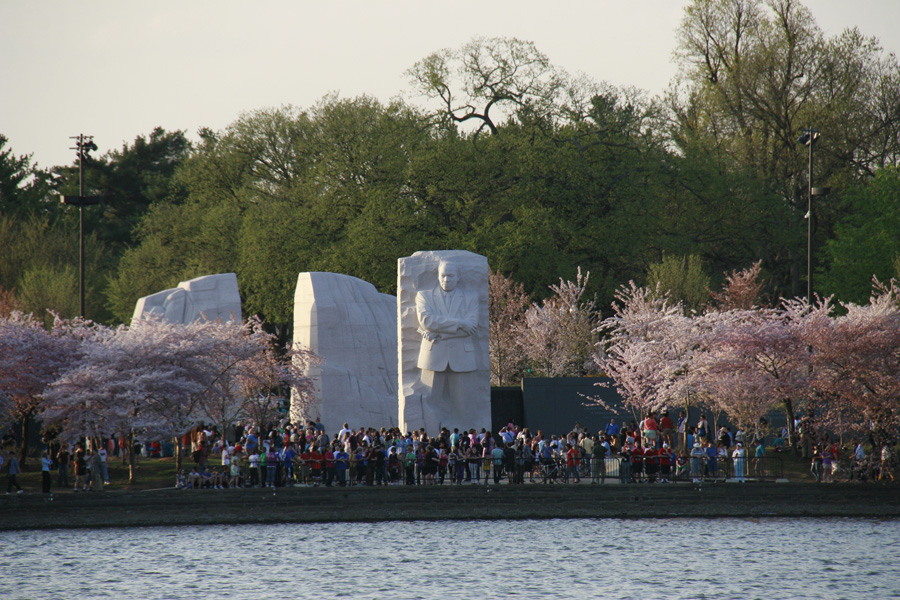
pixel 210 297
pixel 443 320
pixel 353 329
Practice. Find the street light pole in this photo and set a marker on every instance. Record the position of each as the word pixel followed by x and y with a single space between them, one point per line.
pixel 80 145
pixel 83 143
pixel 808 138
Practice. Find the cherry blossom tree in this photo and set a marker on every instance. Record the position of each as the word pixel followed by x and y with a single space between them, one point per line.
pixel 558 334
pixel 246 375
pixel 508 303
pixel 158 379
pixel 763 348
pixel 856 364
pixel 728 373
pixel 31 357
pixel 649 349
pixel 140 380
pixel 742 289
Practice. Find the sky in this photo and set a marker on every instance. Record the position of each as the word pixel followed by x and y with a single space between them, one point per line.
pixel 117 69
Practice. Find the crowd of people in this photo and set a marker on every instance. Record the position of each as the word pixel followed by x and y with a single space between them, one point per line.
pixel 88 468
pixel 656 450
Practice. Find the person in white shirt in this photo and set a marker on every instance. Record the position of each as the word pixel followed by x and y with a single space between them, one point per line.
pixel 104 471
pixel 345 433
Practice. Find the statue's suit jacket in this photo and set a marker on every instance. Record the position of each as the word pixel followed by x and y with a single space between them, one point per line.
pixel 453 350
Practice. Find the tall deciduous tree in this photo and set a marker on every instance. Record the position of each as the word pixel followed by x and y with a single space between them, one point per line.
pixel 754 361
pixel 508 303
pixel 557 334
pixel 242 365
pixel 486 77
pixel 754 74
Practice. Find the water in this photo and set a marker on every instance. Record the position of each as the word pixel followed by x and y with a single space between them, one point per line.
pixel 640 559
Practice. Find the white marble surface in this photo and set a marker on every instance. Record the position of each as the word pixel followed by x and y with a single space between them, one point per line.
pixel 353 328
pixel 210 297
pixel 420 404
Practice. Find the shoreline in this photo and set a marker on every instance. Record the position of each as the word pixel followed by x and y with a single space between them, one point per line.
pixel 170 507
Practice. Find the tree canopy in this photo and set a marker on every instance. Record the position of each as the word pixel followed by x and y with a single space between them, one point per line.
pixel 508 156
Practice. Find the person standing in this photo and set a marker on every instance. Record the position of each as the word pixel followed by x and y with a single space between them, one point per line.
pixel 759 459
pixel 587 450
pixel 598 461
pixel 637 463
pixel 253 467
pixel 649 430
pixel 702 428
pixel 886 456
pixel 665 463
pixel 104 470
pixel 816 464
pixel 342 462
pixel 330 472
pixel 666 428
pixel 740 456
pixel 62 467
pixel 12 471
pixel 712 460
pixel 235 471
pixel 611 428
pixel 271 466
pixel 572 464
pixel 497 456
pixel 827 463
pixel 96 472
pixel 80 471
pixel 46 465
pixel 698 456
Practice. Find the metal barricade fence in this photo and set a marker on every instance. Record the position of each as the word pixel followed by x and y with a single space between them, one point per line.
pixel 606 470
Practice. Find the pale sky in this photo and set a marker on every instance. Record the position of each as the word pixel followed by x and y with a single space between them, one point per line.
pixel 116 69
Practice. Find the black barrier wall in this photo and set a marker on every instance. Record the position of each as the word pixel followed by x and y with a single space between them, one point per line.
pixel 554 405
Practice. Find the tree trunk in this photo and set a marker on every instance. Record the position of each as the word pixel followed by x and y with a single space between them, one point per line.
pixel 714 428
pixel 178 454
pixel 26 429
pixel 789 411
pixel 687 420
pixel 132 472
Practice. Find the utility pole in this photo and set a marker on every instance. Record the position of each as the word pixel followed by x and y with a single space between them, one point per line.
pixel 83 143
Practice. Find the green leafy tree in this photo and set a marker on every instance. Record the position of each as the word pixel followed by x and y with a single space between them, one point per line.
pixel 39 265
pixel 682 278
pixel 754 74
pixel 867 242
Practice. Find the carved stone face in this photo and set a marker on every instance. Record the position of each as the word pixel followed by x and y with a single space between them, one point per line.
pixel 448 276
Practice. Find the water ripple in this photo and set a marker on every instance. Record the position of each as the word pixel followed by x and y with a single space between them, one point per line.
pixel 675 559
